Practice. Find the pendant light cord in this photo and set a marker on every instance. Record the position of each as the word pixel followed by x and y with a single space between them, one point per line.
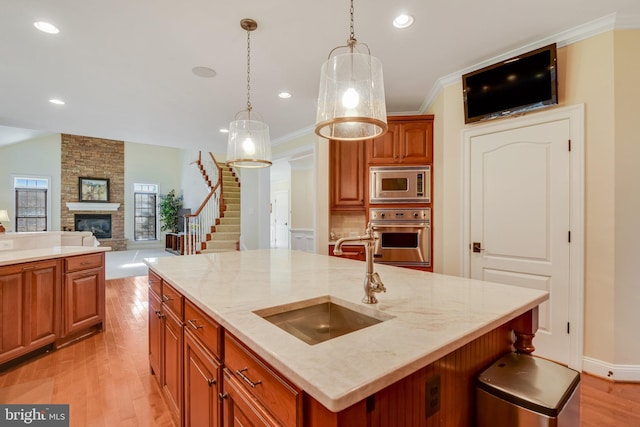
pixel 249 71
pixel 352 35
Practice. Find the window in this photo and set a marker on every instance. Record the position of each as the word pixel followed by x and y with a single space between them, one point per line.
pixel 145 208
pixel 31 203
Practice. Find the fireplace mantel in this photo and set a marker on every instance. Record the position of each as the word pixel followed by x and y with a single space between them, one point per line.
pixel 84 206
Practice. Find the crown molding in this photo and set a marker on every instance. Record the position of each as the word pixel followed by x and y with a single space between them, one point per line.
pixel 564 38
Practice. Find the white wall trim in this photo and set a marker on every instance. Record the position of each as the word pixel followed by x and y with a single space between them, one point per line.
pixel 12 213
pixel 303 239
pixel 91 206
pixel 293 135
pixel 575 115
pixel 630 373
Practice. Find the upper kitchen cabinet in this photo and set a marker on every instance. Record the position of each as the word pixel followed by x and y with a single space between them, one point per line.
pixel 409 141
pixel 347 175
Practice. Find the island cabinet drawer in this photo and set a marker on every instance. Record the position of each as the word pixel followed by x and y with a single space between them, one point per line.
pixel 155 282
pixel 203 327
pixel 279 397
pixel 172 299
pixel 83 262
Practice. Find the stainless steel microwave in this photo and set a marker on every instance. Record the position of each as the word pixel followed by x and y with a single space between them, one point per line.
pixel 399 184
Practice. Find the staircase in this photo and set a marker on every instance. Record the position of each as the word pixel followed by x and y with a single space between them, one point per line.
pixel 225 235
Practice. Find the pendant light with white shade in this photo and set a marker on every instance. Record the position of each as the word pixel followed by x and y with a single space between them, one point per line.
pixel 351 102
pixel 248 145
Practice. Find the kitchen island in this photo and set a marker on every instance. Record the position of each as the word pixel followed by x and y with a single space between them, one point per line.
pixel 415 367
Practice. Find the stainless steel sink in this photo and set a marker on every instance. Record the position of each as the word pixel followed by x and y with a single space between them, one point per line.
pixel 318 320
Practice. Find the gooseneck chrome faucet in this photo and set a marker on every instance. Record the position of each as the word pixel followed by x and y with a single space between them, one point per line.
pixel 372 281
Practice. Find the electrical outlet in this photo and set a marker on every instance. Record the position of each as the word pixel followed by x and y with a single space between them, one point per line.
pixel 433 395
pixel 6 244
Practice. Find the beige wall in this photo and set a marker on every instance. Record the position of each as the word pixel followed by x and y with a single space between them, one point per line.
pixel 600 73
pixel 589 79
pixel 627 197
pixel 149 164
pixel 309 189
pixel 36 157
pixel 42 156
pixel 302 198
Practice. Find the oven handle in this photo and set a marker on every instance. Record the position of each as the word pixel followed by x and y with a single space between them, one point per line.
pixel 403 225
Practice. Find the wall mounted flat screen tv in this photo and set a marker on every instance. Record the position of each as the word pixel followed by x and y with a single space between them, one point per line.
pixel 525 82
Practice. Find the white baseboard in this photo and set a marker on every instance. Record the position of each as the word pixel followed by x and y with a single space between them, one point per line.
pixel 629 373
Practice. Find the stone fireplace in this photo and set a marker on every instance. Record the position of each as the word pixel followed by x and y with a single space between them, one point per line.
pixel 97 158
pixel 98 224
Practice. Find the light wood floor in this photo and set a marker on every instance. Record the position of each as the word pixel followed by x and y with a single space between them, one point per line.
pixel 106 380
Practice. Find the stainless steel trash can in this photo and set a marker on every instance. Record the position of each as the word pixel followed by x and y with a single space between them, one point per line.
pixel 522 390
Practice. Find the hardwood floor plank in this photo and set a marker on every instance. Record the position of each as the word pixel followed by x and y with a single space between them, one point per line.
pixel 105 378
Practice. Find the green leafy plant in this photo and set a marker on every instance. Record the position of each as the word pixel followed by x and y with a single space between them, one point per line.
pixel 170 206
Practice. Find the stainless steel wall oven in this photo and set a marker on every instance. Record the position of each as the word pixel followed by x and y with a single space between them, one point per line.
pixel 403 236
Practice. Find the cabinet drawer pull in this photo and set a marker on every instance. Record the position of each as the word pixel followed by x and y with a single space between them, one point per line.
pixel 159 314
pixel 28 268
pixel 246 379
pixel 223 395
pixel 194 325
pixel 166 298
pixel 211 381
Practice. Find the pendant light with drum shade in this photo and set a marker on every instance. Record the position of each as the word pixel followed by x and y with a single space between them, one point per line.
pixel 351 103
pixel 248 145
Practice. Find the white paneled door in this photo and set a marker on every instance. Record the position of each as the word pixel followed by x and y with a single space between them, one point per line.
pixel 520 220
pixel 280 220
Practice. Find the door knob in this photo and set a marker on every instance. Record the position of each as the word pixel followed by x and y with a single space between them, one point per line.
pixel 477 247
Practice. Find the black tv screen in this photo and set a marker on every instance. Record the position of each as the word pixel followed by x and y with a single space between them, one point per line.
pixel 518 84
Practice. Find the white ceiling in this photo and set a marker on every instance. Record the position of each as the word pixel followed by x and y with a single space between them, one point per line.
pixel 124 66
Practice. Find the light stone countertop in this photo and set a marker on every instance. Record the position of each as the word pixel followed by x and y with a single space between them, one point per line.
pixel 431 315
pixel 28 255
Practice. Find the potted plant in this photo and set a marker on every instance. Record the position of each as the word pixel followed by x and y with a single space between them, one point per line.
pixel 170 206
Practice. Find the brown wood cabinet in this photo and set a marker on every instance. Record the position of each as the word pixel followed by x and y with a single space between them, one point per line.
pixel 241 408
pixel 155 333
pixel 408 141
pixel 30 307
pixel 202 369
pixel 166 341
pixel 357 252
pixel 347 175
pixel 174 243
pixel 83 293
pixel 172 347
pixel 202 384
pixel 269 389
pixel 172 366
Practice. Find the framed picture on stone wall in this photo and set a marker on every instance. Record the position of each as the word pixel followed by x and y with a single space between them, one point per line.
pixel 93 189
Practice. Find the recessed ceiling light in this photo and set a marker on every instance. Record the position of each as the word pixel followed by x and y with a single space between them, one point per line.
pixel 57 101
pixel 46 27
pixel 223 130
pixel 403 21
pixel 205 72
pixel 284 95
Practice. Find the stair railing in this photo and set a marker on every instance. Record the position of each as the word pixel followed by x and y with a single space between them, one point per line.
pixel 199 224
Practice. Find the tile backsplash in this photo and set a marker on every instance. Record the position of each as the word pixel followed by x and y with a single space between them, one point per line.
pixel 347 224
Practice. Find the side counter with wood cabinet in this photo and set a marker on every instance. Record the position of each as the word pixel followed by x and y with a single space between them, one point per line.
pixel 49 297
